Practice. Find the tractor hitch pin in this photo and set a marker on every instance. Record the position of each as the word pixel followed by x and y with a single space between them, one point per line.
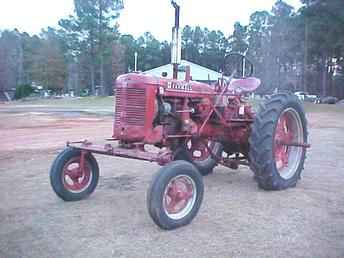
pixel 186 111
pixel 294 144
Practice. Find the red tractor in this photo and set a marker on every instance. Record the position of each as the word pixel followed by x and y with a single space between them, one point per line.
pixel 196 126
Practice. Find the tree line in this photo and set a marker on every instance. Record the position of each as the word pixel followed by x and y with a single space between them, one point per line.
pixel 291 49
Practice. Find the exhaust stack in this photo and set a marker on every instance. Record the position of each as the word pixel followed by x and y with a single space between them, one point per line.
pixel 176 49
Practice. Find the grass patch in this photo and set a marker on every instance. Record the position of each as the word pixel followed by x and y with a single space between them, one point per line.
pixel 69 102
pixel 109 102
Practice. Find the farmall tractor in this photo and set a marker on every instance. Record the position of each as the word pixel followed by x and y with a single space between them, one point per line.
pixel 196 126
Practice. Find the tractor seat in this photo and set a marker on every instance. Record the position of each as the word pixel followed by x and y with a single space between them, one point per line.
pixel 245 85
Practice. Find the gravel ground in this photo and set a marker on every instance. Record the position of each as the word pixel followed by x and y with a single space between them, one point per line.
pixel 236 218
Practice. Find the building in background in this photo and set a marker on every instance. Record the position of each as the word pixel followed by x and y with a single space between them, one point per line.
pixel 198 73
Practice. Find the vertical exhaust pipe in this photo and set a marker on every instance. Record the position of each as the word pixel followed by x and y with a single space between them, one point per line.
pixel 176 49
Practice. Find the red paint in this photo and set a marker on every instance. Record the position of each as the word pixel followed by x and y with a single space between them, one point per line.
pixel 244 85
pixel 131 152
pixel 199 150
pixel 215 113
pixel 76 174
pixel 177 195
pixel 283 136
pixel 136 96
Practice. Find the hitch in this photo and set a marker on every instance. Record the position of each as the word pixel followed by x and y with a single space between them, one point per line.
pixel 136 152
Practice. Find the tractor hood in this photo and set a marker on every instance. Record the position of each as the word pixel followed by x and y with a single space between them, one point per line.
pixel 169 85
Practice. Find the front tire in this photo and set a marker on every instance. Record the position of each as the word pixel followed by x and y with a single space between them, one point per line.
pixel 195 152
pixel 175 195
pixel 280 123
pixel 68 180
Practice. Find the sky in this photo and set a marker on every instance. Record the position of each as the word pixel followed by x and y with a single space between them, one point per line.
pixel 138 16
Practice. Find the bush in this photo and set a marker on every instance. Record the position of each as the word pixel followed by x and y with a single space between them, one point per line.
pixel 23 91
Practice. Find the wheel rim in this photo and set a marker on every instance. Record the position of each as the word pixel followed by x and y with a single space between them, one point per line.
pixel 179 197
pixel 74 178
pixel 289 130
pixel 198 150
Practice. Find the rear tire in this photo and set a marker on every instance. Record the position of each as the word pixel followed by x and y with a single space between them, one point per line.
pixel 67 181
pixel 175 195
pixel 281 119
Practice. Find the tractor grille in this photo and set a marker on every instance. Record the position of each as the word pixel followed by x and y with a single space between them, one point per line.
pixel 130 106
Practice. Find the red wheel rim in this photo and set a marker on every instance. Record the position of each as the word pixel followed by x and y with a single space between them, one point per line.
pixel 198 150
pixel 74 178
pixel 288 130
pixel 179 196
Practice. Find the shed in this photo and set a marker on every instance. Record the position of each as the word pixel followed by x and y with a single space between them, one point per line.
pixel 198 72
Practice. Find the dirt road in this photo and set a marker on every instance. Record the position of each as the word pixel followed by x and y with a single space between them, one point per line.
pixel 236 219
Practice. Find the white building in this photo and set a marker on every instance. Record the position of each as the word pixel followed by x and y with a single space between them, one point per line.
pixel 198 73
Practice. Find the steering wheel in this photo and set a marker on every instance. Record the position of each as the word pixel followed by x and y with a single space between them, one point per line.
pixel 237 66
